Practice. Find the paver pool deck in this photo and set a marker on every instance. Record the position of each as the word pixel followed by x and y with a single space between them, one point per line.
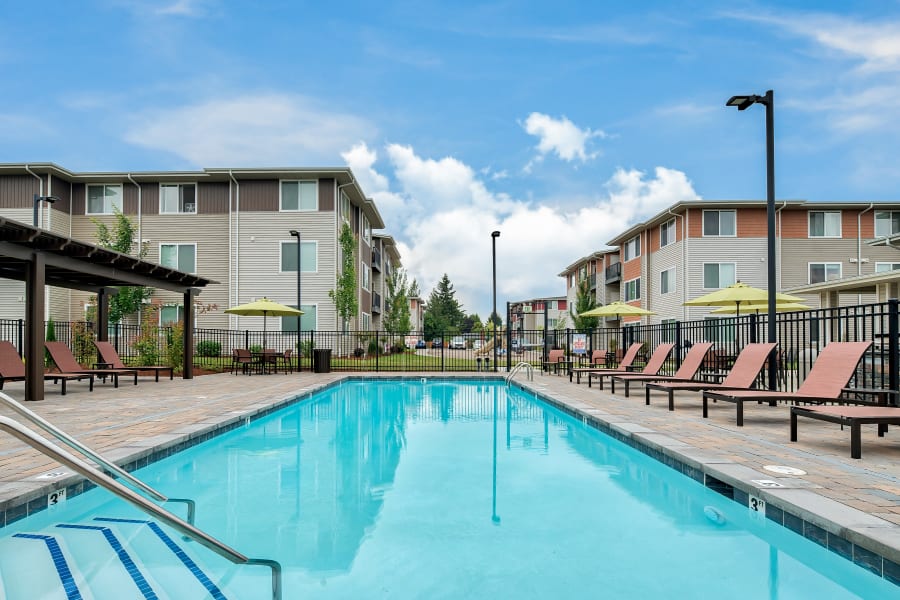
pixel 859 499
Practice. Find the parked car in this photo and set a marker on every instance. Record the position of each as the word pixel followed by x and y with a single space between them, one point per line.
pixel 458 343
pixel 437 343
pixel 476 345
pixel 420 344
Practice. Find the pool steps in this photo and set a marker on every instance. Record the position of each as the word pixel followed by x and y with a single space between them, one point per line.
pixel 103 559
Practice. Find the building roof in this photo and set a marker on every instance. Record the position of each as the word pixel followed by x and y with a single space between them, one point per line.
pixel 594 256
pixel 861 284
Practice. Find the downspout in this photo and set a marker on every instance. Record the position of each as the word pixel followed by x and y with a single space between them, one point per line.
pixel 778 269
pixel 859 247
pixel 41 192
pixel 139 211
pixel 683 263
pixel 235 248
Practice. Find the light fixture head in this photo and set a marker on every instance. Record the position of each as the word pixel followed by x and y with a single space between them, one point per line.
pixel 294 232
pixel 48 199
pixel 745 102
pixel 495 234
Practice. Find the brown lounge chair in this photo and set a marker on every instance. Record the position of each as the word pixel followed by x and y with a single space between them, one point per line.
pixel 624 366
pixel 742 375
pixel 654 364
pixel 13 369
pixel 66 363
pixel 854 416
pixel 110 357
pixel 689 367
pixel 832 371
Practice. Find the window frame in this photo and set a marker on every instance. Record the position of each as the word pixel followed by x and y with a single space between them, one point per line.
pixel 671 284
pixel 87 198
pixel 179 309
pixel 671 234
pixel 179 185
pixel 877 264
pixel 293 242
pixel 281 208
pixel 626 291
pixel 365 276
pixel 178 245
pixel 890 214
pixel 719 224
pixel 825 235
pixel 719 264
pixel 314 305
pixel 809 267
pixel 637 248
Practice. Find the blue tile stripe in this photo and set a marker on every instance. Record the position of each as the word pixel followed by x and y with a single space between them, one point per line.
pixel 59 561
pixel 195 570
pixel 123 555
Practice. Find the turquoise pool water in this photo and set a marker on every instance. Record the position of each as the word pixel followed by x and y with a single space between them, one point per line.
pixel 468 490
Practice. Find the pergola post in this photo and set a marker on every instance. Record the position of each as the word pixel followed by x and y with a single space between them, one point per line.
pixel 188 356
pixel 35 280
pixel 103 315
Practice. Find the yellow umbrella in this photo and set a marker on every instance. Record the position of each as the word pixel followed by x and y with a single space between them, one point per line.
pixel 759 307
pixel 740 293
pixel 617 309
pixel 263 308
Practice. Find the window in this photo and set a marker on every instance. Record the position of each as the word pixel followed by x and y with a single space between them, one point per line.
pixel 719 223
pixel 364 272
pixel 667 233
pixel 668 330
pixel 633 289
pixel 345 206
pixel 177 198
pixel 171 314
pixel 364 320
pixel 367 230
pixel 825 223
pixel 819 272
pixel 309 254
pixel 667 281
pixel 887 223
pixel 181 257
pixel 299 195
pixel 632 248
pixel 104 199
pixel 718 275
pixel 718 330
pixel 885 267
pixel 308 321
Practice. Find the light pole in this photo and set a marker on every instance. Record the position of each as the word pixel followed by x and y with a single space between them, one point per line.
pixel 296 233
pixel 494 236
pixel 743 103
pixel 37 202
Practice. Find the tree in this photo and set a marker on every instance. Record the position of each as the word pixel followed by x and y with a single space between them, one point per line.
pixel 122 239
pixel 397 317
pixel 584 301
pixel 344 295
pixel 443 313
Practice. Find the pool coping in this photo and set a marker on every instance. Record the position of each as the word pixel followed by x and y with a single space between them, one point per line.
pixel 866 540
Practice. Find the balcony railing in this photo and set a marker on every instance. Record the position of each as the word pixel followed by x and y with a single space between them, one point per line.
pixel 376 302
pixel 614 272
pixel 376 260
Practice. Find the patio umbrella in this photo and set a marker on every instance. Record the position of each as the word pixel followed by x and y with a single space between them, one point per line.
pixel 617 309
pixel 759 307
pixel 264 308
pixel 740 293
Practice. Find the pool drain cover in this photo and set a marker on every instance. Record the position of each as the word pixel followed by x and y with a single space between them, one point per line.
pixel 784 470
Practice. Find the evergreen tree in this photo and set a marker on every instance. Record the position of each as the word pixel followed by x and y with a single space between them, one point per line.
pixel 397 317
pixel 122 239
pixel 443 313
pixel 584 301
pixel 344 295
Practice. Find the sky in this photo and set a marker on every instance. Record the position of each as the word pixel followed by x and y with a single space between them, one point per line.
pixel 560 124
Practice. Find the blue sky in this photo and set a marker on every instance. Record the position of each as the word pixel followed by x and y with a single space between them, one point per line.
pixel 559 124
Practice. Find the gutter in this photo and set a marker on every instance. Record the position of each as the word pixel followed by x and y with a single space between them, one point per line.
pixel 859 246
pixel 139 211
pixel 234 249
pixel 778 255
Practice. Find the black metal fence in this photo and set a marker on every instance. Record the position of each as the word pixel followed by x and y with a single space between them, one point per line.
pixel 801 336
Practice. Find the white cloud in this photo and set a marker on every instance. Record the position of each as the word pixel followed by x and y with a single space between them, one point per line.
pixel 265 129
pixel 561 137
pixel 361 161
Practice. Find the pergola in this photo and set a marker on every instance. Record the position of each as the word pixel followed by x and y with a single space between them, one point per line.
pixel 41 258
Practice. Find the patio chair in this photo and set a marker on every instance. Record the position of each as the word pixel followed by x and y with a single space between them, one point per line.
pixel 654 364
pixel 688 370
pixel 243 359
pixel 853 416
pixel 65 362
pixel 111 358
pixel 742 375
pixel 286 364
pixel 825 382
pixel 13 369
pixel 624 365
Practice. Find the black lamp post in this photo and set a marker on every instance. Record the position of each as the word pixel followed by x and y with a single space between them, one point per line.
pixel 743 103
pixel 296 233
pixel 494 236
pixel 37 202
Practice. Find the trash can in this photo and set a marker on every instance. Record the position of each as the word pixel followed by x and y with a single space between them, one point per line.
pixel 321 360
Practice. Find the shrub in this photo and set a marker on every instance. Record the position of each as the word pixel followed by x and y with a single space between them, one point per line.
pixel 358 353
pixel 306 348
pixel 373 348
pixel 256 348
pixel 50 337
pixel 175 345
pixel 209 348
pixel 83 343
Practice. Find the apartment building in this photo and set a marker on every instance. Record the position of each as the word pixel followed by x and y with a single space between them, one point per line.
pixel 692 248
pixel 528 315
pixel 603 272
pixel 385 258
pixel 233 226
pixel 417 313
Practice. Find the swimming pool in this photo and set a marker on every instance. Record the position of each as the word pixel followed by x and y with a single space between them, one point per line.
pixel 448 489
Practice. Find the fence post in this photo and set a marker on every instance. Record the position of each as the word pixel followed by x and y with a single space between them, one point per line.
pixel 247 338
pixel 893 344
pixel 678 345
pixel 753 325
pixel 115 334
pixel 20 333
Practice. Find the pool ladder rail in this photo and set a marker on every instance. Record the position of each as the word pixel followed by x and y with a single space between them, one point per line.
pixel 529 370
pixel 103 480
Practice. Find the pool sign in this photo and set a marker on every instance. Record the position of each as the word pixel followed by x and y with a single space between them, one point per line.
pixel 579 343
pixel 56 497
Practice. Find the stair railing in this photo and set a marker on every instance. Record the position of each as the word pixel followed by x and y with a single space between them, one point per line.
pixel 522 365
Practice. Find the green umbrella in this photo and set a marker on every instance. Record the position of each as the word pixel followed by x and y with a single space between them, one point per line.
pixel 264 308
pixel 737 294
pixel 617 309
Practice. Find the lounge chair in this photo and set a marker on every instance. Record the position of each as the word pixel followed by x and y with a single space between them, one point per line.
pixel 654 364
pixel 110 357
pixel 688 370
pixel 742 375
pixel 66 363
pixel 825 382
pixel 13 369
pixel 854 416
pixel 624 366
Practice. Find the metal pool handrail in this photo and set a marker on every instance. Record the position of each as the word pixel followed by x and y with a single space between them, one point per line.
pixel 47 448
pixel 107 464
pixel 522 365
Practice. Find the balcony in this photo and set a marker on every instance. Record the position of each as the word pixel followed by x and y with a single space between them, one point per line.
pixel 614 272
pixel 592 281
pixel 376 260
pixel 376 303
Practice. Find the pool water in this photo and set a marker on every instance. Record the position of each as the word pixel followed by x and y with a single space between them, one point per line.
pixel 447 489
